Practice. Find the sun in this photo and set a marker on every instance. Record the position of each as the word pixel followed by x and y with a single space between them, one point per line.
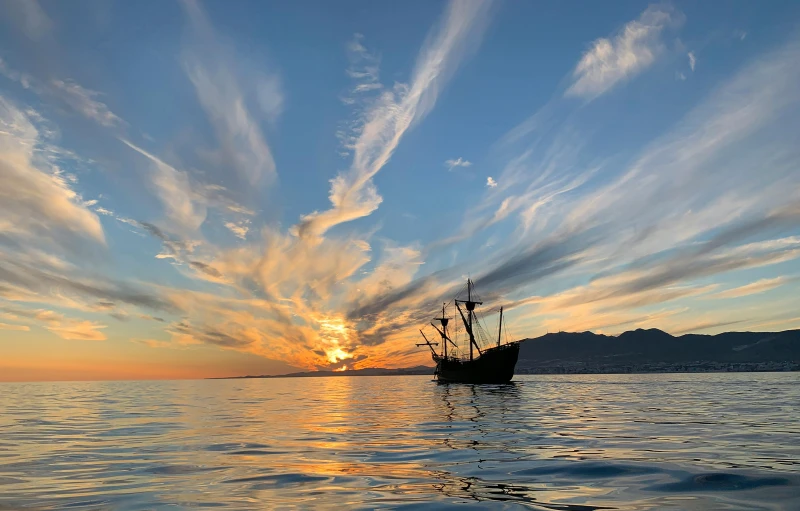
pixel 337 354
pixel 335 332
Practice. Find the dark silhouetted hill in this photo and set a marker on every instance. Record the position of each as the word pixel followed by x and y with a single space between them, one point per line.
pixel 642 349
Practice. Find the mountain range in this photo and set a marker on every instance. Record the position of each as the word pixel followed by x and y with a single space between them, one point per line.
pixel 653 349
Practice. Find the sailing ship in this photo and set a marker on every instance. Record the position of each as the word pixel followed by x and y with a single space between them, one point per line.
pixel 494 363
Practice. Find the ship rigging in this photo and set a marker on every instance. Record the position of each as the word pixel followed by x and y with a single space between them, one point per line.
pixel 484 361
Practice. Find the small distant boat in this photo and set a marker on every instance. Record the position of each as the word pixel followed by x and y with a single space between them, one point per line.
pixel 493 364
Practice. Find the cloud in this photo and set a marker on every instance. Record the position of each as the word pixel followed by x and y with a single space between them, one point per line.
pixel 700 175
pixel 459 162
pixel 211 68
pixel 529 185
pixel 664 273
pixel 710 197
pixel 218 196
pixel 29 17
pixel 72 94
pixel 757 287
pixel 668 208
pixel 292 293
pixel 151 318
pixel 612 61
pixel 239 229
pixel 364 67
pixel 353 194
pixel 154 343
pixel 706 325
pixel 541 260
pixel 36 198
pixel 23 278
pixel 174 248
pixel 692 60
pixel 83 101
pixel 181 205
pixel 78 330
pixel 205 268
pixel 21 328
pixel 64 327
pixel 269 96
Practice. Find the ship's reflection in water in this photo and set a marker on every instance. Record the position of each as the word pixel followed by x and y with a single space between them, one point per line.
pixel 560 443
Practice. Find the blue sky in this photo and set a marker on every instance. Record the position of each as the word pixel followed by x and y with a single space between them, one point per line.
pixel 210 188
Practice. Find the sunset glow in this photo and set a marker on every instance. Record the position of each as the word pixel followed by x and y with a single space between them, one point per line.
pixel 236 192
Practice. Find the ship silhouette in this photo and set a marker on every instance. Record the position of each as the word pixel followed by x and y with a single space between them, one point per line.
pixel 493 363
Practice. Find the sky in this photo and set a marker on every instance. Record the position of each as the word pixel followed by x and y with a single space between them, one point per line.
pixel 196 189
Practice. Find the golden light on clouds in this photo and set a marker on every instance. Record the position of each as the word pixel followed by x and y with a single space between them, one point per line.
pixel 118 242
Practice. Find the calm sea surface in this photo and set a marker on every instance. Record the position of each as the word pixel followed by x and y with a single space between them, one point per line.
pixel 677 441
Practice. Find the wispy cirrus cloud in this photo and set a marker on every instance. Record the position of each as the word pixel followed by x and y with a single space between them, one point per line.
pixel 29 17
pixel 294 286
pixel 364 67
pixel 239 229
pixel 77 330
pixel 610 61
pixel 353 194
pixel 690 207
pixel 668 208
pixel 173 248
pixel 211 67
pixel 704 196
pixel 62 326
pixel 636 247
pixel 78 98
pixel 32 276
pixel 759 286
pixel 458 162
pixel 154 343
pixel 36 197
pixel 692 60
pixel 184 208
pixel 84 101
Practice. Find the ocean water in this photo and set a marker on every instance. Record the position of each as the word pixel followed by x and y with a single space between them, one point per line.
pixel 570 442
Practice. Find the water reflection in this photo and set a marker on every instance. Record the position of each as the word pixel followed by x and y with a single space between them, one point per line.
pixel 560 443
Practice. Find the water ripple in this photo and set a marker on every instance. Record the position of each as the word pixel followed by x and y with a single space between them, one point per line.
pixel 574 443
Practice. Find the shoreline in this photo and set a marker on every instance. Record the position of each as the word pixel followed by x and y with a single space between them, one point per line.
pixel 521 373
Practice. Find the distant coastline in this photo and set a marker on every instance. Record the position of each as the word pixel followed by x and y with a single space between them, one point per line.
pixel 417 371
pixel 633 352
pixel 368 371
pixel 656 351
pixel 700 367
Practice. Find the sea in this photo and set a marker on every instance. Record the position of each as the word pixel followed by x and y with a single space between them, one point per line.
pixel 728 441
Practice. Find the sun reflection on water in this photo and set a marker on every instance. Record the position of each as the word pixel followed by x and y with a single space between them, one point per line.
pixel 567 443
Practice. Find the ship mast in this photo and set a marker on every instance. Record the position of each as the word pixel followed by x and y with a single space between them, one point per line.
pixel 469 312
pixel 444 320
pixel 500 327
pixel 468 323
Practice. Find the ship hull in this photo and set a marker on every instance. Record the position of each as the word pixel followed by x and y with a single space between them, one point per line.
pixel 496 365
